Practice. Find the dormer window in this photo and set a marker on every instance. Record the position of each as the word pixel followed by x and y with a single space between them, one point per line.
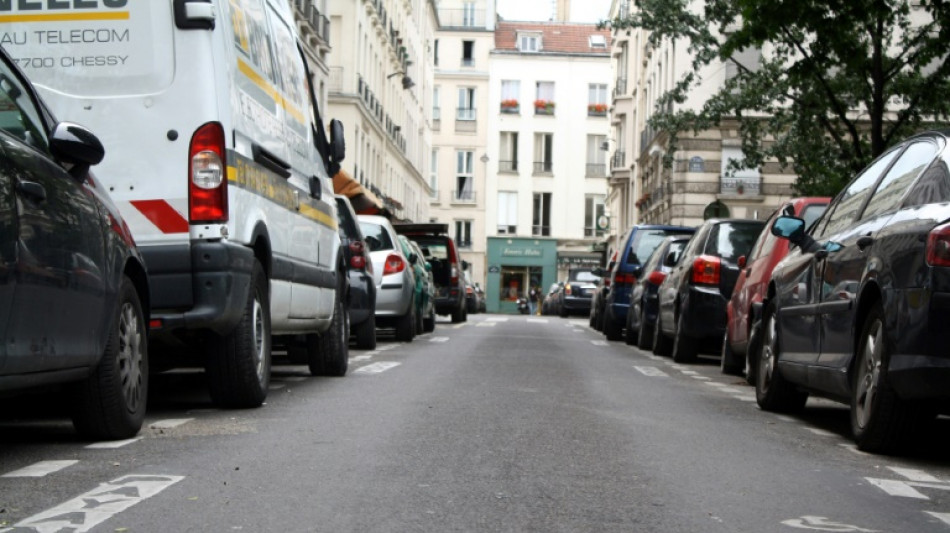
pixel 598 41
pixel 529 42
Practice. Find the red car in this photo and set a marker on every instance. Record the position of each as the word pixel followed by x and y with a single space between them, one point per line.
pixel 753 283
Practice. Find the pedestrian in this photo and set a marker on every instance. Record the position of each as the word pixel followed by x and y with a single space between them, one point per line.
pixel 540 296
pixel 533 300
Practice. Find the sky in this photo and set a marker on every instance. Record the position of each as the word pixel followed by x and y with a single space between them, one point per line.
pixel 581 10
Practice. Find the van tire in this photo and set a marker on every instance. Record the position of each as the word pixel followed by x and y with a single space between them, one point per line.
pixel 459 314
pixel 365 333
pixel 110 403
pixel 239 362
pixel 329 352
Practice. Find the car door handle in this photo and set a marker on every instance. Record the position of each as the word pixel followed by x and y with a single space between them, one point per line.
pixel 864 242
pixel 32 190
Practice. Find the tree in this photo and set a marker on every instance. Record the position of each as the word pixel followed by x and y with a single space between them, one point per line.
pixel 837 82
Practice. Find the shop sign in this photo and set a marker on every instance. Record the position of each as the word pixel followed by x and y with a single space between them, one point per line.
pixel 571 260
pixel 522 252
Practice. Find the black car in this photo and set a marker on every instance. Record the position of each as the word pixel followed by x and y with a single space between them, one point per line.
pixel 576 294
pixel 362 293
pixel 599 302
pixel 73 287
pixel 641 320
pixel 693 297
pixel 447 266
pixel 858 310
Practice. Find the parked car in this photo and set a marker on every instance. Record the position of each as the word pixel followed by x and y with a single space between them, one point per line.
pixel 74 298
pixel 395 283
pixel 361 297
pixel 599 301
pixel 447 266
pixel 641 320
pixel 576 294
pixel 754 273
pixel 424 297
pixel 857 311
pixel 482 304
pixel 473 295
pixel 549 304
pixel 692 299
pixel 638 243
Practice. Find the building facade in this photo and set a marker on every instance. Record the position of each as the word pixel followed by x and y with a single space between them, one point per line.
pixel 546 164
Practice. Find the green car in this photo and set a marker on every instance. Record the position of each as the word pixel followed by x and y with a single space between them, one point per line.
pixel 425 288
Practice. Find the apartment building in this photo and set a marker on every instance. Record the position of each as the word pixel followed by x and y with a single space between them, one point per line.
pixel 380 81
pixel 458 158
pixel 546 163
pixel 313 26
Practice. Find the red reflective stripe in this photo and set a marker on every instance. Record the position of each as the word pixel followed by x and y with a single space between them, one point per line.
pixel 162 215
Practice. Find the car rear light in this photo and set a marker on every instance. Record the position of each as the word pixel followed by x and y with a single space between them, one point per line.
pixel 207 175
pixel 568 290
pixel 357 259
pixel 468 290
pixel 656 277
pixel 454 275
pixel 624 279
pixel 938 246
pixel 394 265
pixel 706 270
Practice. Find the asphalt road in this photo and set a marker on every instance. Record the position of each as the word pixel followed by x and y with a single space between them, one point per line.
pixel 505 423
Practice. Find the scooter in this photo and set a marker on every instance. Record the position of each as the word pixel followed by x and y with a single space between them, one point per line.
pixel 523 306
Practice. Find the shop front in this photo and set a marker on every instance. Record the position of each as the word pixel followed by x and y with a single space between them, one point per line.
pixel 514 266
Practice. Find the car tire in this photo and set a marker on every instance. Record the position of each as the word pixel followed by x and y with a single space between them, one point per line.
pixel 612 330
pixel 630 335
pixel 110 403
pixel 365 333
pixel 428 323
pixel 880 421
pixel 329 353
pixel 419 317
pixel 239 363
pixel 458 314
pixel 772 391
pixel 728 364
pixel 406 325
pixel 684 346
pixel 662 345
pixel 644 334
pixel 592 321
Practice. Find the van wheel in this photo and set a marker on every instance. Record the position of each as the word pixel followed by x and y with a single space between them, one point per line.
pixel 365 333
pixel 772 391
pixel 110 403
pixel 459 315
pixel 239 362
pixel 329 353
pixel 406 325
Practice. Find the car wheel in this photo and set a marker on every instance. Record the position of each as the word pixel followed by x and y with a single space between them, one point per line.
pixel 329 353
pixel 728 364
pixel 428 323
pixel 458 314
pixel 880 421
pixel 662 345
pixel 239 362
pixel 772 392
pixel 630 334
pixel 684 346
pixel 644 334
pixel 612 328
pixel 592 322
pixel 365 333
pixel 110 403
pixel 419 317
pixel 406 325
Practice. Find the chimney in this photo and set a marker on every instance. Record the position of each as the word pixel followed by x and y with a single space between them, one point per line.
pixel 563 11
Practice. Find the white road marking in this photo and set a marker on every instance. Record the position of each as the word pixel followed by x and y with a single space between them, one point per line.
pixel 384 347
pixel 915 475
pixel 497 319
pixel 538 320
pixel 459 326
pixel 745 398
pixel 701 378
pixel 820 523
pixel 716 384
pixel 690 372
pixel 439 339
pixel 787 419
pixel 170 423
pixel 41 469
pixel 821 432
pixel 486 324
pixel 112 444
pixel 360 358
pixel 943 517
pixel 599 343
pixel 651 371
pixel 377 368
pixel 896 487
pixel 98 505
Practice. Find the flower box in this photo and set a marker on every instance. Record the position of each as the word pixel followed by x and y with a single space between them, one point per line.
pixel 597 110
pixel 543 107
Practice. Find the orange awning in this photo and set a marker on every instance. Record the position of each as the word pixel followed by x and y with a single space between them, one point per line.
pixel 363 200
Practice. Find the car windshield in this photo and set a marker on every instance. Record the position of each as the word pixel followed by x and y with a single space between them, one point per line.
pixel 734 239
pixel 585 275
pixel 433 249
pixel 646 241
pixel 811 213
pixel 378 232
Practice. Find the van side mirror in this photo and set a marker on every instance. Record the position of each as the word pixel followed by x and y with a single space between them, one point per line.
pixel 316 188
pixel 337 141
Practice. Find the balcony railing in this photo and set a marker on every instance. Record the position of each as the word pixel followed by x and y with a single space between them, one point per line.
pixel 740 186
pixel 507 166
pixel 541 231
pixel 543 108
pixel 597 110
pixel 542 167
pixel 463 197
pixel 510 107
pixel 462 18
pixel 620 87
pixel 596 170
pixel 619 160
pixel 465 113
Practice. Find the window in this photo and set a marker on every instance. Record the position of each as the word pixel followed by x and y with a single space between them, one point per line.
pixel 892 188
pixel 466 106
pixel 435 52
pixel 508 152
pixel 434 173
pixel 544 98
pixel 597 99
pixel 529 42
pixel 510 96
pixel 468 53
pixel 507 212
pixel 18 116
pixel 742 181
pixel 934 186
pixel 543 153
pixel 464 176
pixel 598 41
pixel 468 14
pixel 852 198
pixel 541 216
pixel 593 209
pixel 463 233
pixel 436 109
pixel 596 156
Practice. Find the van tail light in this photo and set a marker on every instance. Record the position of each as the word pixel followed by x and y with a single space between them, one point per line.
pixel 357 257
pixel 938 246
pixel 706 270
pixel 454 274
pixel 207 175
pixel 656 277
pixel 394 265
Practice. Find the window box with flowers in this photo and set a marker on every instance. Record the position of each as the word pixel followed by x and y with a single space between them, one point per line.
pixel 510 106
pixel 643 201
pixel 597 110
pixel 543 107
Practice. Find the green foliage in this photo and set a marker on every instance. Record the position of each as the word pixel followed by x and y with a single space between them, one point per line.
pixel 835 84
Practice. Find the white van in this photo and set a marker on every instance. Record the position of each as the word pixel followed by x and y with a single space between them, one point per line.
pixel 217 158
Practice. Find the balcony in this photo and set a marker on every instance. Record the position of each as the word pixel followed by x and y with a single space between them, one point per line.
pixel 465 113
pixel 543 107
pixel 740 186
pixel 314 23
pixel 507 166
pixel 463 197
pixel 596 170
pixel 543 167
pixel 462 18
pixel 510 107
pixel 619 160
pixel 597 110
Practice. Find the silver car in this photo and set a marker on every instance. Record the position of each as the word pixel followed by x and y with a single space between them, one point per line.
pixel 395 284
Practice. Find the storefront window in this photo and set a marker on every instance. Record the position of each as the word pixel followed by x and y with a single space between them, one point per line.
pixel 517 281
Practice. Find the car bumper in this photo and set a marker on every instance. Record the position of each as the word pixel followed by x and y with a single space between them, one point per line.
pixel 705 313
pixel 920 364
pixel 393 296
pixel 362 304
pixel 572 303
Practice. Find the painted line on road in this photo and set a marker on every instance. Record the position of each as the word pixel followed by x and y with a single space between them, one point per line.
pixel 914 475
pixel 538 320
pixel 745 398
pixel 788 419
pixel 821 432
pixel 599 343
pixel 169 423
pixel 690 372
pixel 360 358
pixel 497 319
pixel 377 368
pixel 651 371
pixel 439 339
pixel 896 487
pixel 42 468
pixel 486 324
pixel 98 505
pixel 701 378
pixel 384 347
pixel 459 326
pixel 112 444
pixel 943 517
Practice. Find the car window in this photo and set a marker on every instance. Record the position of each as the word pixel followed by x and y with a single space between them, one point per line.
pixel 811 213
pixel 378 232
pixel 849 201
pixel 19 116
pixel 730 240
pixel 765 241
pixel 892 188
pixel 646 241
pixel 433 248
pixel 585 276
pixel 347 224
pixel 933 186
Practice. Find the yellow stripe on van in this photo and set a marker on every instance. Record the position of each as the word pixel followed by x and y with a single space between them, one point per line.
pixel 315 214
pixel 250 176
pixel 265 86
pixel 66 17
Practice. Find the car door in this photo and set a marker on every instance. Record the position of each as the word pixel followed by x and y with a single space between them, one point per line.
pixel 60 289
pixel 678 278
pixel 851 249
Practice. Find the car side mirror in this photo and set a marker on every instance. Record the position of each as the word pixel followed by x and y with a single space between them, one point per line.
pixel 670 259
pixel 75 145
pixel 337 141
pixel 428 266
pixel 741 261
pixel 316 188
pixel 791 228
pixel 413 258
pixel 637 270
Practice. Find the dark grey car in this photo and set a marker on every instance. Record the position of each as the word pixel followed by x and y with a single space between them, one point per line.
pixel 361 301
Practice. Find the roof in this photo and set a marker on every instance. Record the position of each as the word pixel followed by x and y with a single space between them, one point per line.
pixel 556 38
